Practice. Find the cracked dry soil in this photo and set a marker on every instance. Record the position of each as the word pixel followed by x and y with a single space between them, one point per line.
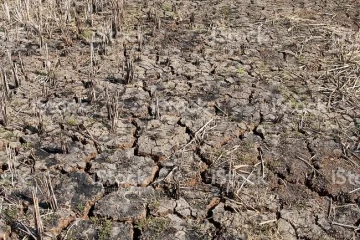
pixel 179 119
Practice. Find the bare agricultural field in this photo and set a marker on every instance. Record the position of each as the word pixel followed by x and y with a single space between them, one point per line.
pixel 170 119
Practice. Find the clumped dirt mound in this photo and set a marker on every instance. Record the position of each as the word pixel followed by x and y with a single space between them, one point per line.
pixel 179 119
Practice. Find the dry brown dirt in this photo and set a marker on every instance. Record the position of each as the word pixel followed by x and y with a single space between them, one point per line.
pixel 169 119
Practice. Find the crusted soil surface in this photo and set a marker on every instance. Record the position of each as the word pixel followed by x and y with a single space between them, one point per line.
pixel 180 119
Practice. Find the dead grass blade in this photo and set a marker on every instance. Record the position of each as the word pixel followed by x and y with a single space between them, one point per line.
pixel 38 222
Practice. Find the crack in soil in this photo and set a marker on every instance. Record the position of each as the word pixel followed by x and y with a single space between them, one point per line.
pixel 217 225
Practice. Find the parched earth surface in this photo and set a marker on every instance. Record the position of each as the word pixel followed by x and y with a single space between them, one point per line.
pixel 180 119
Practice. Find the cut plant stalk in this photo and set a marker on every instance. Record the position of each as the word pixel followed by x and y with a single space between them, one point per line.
pixel 38 222
pixel 117 16
pixel 114 112
pixel 50 192
pixel 6 12
pixel 14 71
pixel 6 88
pixel 140 39
pixel 11 163
pixel 3 107
pixel 129 70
